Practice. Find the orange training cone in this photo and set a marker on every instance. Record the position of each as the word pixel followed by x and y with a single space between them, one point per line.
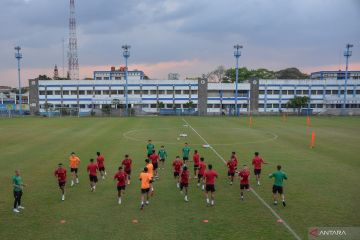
pixel 308 121
pixel 312 142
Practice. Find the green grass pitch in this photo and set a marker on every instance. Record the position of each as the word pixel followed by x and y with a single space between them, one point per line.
pixel 322 189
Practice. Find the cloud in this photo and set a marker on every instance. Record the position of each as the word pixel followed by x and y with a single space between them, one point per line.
pixel 275 34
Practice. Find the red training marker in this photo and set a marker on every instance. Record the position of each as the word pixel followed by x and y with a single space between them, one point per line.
pixel 280 221
pixel 205 221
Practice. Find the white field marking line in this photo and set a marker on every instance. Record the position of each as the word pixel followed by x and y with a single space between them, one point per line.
pixel 125 135
pixel 252 190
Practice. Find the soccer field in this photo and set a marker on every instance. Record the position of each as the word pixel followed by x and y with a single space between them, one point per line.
pixel 322 187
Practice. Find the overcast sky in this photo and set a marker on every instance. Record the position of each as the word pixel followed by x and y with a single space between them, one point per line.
pixel 190 37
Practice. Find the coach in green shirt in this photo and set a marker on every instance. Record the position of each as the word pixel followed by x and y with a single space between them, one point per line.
pixel 186 152
pixel 149 148
pixel 279 177
pixel 18 191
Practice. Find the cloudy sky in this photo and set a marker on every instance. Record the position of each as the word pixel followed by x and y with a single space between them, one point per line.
pixel 190 37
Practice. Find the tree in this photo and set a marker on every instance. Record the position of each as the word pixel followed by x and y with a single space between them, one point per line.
pixel 217 75
pixel 291 73
pixel 43 77
pixel 189 104
pixel 160 104
pixel 298 102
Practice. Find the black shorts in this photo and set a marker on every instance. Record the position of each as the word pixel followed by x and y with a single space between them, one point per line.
pixel 62 184
pixel 196 167
pixel 155 165
pixel 102 169
pixel 210 188
pixel 200 176
pixel 128 172
pixel 146 190
pixel 119 188
pixel 182 185
pixel 231 174
pixel 185 158
pixel 176 174
pixel 277 189
pixel 149 154
pixel 244 186
pixel 93 178
pixel 257 171
pixel 162 159
pixel 75 170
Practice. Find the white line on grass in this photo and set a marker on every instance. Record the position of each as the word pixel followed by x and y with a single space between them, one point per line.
pixel 252 190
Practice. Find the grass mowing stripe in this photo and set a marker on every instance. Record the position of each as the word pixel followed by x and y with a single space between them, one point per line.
pixel 252 190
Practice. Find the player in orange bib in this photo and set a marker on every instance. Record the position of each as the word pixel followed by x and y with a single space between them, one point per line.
pixel 150 168
pixel 74 165
pixel 145 179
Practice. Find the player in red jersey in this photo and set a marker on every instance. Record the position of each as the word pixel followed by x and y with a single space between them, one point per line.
pixel 257 162
pixel 154 160
pixel 235 158
pixel 210 176
pixel 120 177
pixel 201 173
pixel 184 182
pixel 101 166
pixel 60 173
pixel 244 180
pixel 196 159
pixel 231 164
pixel 92 170
pixel 126 163
pixel 177 164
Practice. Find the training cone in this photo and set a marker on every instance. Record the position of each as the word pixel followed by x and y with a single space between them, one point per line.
pixel 250 121
pixel 312 141
pixel 308 121
pixel 62 221
pixel 135 221
pixel 205 221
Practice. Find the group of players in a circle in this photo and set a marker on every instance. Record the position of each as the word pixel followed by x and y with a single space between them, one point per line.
pixel 205 175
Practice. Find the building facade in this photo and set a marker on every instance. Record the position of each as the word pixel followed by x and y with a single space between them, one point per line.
pixel 263 96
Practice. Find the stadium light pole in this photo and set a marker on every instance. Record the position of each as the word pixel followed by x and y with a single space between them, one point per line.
pixel 126 54
pixel 18 56
pixel 237 54
pixel 347 54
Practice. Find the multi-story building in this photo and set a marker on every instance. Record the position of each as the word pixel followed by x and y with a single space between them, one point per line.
pixel 118 74
pixel 336 75
pixel 271 95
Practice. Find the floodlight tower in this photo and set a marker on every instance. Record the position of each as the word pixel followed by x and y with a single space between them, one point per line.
pixel 237 54
pixel 347 54
pixel 18 56
pixel 73 59
pixel 126 54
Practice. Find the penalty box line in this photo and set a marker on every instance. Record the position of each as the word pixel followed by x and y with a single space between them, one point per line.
pixel 252 190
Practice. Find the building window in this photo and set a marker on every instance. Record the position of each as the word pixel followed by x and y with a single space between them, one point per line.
pixel 284 92
pixel 186 92
pixel 82 106
pixel 276 105
pixel 152 92
pixel 74 92
pixel 298 92
pixel 137 92
pixel 81 92
pixel 177 91
pixel 209 106
pixel 291 92
pixel 113 92
pixel 145 105
pixel 319 105
pixel 57 92
pixel 98 78
pixel 334 92
pixel 130 92
pixel 121 92
pixel 313 92
pixel 153 106
pixel 261 105
pixel 106 92
pixel 262 92
pixel 305 92
pixel 169 92
pixel 269 105
pixel 312 105
pixel 89 92
pixel 276 92
pixel 216 105
pixel 117 78
pixel 49 92
pixel 161 92
pixel 145 92
pixel 106 78
pixel 320 92
pixel 41 92
pixel 350 92
pixel 328 92
pixel 269 92
pixel 194 92
pixel 358 92
pixel 168 105
pixel 177 105
pixel 65 93
pixel 97 92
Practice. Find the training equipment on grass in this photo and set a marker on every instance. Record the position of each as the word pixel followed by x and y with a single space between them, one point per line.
pixel 183 135
pixel 312 141
pixel 206 146
pixel 185 125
